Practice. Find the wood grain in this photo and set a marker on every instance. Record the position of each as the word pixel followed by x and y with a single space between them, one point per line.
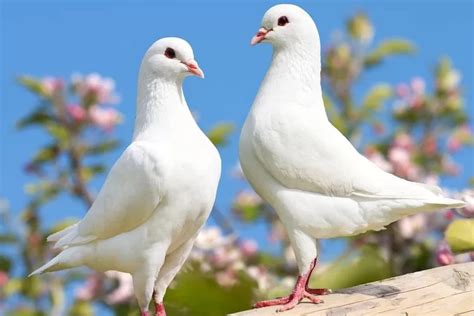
pixel 447 290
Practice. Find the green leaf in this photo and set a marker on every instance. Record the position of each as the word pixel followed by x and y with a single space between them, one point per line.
pixel 248 213
pixel 360 28
pixel 89 172
pixel 376 97
pixel 32 84
pixel 13 286
pixel 81 308
pixel 102 147
pixel 7 239
pixel 460 235
pixel 220 132
pixel 46 154
pixel 367 265
pixel 181 299
pixel 31 287
pixel 40 117
pixel 5 263
pixel 387 48
pixel 58 132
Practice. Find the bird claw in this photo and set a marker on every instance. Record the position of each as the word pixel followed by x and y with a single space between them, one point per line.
pixel 290 301
pixel 319 291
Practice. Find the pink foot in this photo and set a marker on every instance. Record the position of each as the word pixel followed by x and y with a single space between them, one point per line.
pixel 144 313
pixel 319 291
pixel 300 292
pixel 289 301
pixel 160 309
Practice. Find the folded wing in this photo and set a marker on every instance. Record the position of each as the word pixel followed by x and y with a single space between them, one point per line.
pixel 318 158
pixel 129 196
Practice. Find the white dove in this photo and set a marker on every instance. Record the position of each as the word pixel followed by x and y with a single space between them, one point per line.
pixel 295 159
pixel 158 194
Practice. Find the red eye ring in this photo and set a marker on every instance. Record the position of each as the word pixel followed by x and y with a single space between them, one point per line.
pixel 170 53
pixel 283 20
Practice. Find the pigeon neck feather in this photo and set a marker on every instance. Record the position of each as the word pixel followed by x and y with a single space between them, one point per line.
pixel 294 76
pixel 160 105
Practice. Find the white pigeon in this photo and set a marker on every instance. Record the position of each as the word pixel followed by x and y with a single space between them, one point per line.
pixel 295 159
pixel 158 194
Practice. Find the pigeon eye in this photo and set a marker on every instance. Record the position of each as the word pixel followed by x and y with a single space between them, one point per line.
pixel 283 20
pixel 170 53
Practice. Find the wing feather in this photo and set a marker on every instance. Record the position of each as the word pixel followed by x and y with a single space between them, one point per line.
pixel 129 196
pixel 314 156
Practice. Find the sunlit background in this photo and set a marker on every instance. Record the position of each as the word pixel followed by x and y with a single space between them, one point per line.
pixel 398 77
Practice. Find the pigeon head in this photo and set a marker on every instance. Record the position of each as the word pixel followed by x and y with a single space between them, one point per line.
pixel 286 25
pixel 172 58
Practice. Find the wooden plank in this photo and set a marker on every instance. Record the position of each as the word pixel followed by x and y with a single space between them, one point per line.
pixel 447 290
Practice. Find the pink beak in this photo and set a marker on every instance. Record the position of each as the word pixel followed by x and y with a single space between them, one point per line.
pixel 193 68
pixel 260 36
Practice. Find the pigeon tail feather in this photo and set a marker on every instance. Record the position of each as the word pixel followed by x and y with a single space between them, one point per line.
pixel 73 239
pixel 68 258
pixel 447 202
pixel 52 265
pixel 60 234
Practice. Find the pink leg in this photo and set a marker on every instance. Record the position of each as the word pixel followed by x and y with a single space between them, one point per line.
pixel 299 292
pixel 144 313
pixel 160 309
pixel 315 291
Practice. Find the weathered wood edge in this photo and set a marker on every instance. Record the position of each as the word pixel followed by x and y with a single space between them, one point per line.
pixel 447 290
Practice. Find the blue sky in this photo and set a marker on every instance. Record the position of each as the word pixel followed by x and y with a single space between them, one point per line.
pixel 110 37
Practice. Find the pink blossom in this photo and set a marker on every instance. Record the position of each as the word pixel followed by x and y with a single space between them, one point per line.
pixel 260 275
pixel 430 145
pixel 379 160
pixel 454 144
pixel 403 140
pixel 418 85
pixel 105 118
pixel 410 226
pixel 51 85
pixel 449 215
pixel 416 102
pixel 431 179
pixel 124 291
pixel 468 197
pixel 248 247
pixel 277 232
pixel 458 137
pixel 99 88
pixel 76 112
pixel 225 256
pixel 444 255
pixel 402 164
pixel 226 278
pixel 3 278
pixel 450 167
pixel 402 90
pixel 248 198
pixel 399 156
pixel 90 289
pixel 211 237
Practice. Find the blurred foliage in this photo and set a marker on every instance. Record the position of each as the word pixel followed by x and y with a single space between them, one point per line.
pixel 404 129
pixel 460 235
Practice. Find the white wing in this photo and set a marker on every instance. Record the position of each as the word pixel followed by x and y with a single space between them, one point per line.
pixel 312 155
pixel 129 196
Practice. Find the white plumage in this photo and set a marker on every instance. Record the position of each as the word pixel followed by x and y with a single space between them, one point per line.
pixel 158 194
pixel 317 182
